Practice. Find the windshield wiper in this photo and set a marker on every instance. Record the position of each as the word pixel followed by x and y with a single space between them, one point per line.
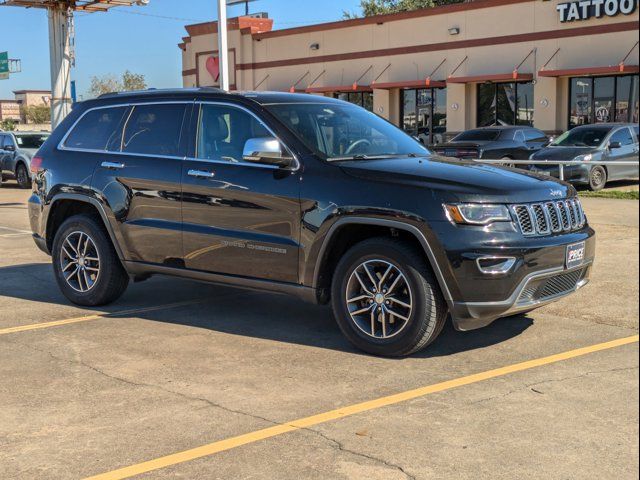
pixel 362 156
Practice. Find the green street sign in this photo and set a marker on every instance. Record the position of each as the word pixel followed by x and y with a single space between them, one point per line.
pixel 4 65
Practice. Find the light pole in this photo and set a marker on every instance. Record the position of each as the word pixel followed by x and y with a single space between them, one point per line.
pixel 223 48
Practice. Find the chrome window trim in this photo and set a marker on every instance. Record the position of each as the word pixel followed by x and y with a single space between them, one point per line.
pixel 61 146
pixel 199 104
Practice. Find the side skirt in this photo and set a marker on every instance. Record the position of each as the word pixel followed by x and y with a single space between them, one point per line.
pixel 304 293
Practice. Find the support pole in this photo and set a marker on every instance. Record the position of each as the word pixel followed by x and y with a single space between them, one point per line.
pixel 223 49
pixel 60 61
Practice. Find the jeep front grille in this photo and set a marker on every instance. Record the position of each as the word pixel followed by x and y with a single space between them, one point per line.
pixel 550 217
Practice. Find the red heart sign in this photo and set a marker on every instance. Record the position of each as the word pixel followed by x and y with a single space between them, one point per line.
pixel 213 67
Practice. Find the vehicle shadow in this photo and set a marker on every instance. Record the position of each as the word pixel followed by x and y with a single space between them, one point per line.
pixel 611 185
pixel 245 313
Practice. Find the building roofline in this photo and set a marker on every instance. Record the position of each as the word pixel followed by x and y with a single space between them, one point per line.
pixel 17 92
pixel 391 17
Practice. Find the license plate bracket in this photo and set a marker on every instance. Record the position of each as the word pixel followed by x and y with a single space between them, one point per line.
pixel 575 255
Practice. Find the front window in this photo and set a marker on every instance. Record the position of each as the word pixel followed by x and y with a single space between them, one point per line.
pixel 603 99
pixel 582 137
pixel 31 141
pixel 339 132
pixel 508 103
pixel 480 135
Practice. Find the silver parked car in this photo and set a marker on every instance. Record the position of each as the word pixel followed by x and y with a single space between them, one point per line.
pixel 608 143
pixel 16 151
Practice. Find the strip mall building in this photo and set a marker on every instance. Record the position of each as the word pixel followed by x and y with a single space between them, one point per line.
pixel 548 63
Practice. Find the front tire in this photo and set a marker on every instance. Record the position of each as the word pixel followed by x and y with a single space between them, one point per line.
pixel 22 176
pixel 86 266
pixel 597 178
pixel 386 300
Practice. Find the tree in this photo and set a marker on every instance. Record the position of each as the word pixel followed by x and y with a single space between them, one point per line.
pixel 38 114
pixel 8 125
pixel 110 83
pixel 380 7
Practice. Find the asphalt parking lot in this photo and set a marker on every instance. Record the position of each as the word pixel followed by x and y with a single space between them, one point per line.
pixel 186 380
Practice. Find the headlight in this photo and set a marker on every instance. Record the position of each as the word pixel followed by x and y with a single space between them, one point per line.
pixel 477 213
pixel 584 158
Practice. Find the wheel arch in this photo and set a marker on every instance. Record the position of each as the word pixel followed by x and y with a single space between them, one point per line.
pixel 64 206
pixel 409 230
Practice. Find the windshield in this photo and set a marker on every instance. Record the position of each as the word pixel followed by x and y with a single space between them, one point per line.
pixel 477 135
pixel 31 141
pixel 582 137
pixel 341 132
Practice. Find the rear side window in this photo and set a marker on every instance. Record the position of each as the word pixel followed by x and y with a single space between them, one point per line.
pixel 97 129
pixel 154 130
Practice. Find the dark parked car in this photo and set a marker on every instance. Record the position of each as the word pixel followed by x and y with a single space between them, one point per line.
pixel 607 143
pixel 16 150
pixel 494 143
pixel 308 196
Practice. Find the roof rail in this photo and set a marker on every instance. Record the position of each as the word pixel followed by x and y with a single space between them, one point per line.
pixel 161 90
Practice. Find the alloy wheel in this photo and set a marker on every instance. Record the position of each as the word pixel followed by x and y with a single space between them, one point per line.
pixel 80 261
pixel 379 299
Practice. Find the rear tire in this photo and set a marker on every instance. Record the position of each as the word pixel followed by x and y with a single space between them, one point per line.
pixel 402 314
pixel 597 178
pixel 86 266
pixel 22 176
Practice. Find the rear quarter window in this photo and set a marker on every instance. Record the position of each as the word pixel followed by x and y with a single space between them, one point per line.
pixel 97 129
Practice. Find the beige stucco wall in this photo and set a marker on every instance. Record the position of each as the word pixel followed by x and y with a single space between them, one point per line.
pixel 515 19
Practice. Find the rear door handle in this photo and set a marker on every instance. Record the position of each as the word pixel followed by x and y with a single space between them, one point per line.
pixel 201 174
pixel 112 165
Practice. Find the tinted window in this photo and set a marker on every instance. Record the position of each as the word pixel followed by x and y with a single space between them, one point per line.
pixel 533 135
pixel 96 129
pixel 623 136
pixel 154 130
pixel 2 141
pixel 583 137
pixel 478 135
pixel 31 141
pixel 223 132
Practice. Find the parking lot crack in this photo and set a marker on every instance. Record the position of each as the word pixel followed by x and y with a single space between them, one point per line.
pixel 341 447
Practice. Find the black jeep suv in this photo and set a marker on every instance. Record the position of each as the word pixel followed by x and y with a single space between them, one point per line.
pixel 302 195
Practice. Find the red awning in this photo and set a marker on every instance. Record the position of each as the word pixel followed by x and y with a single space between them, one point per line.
pixel 496 77
pixel 425 83
pixel 340 89
pixel 576 72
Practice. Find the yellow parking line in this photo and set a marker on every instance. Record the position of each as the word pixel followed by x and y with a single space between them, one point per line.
pixel 68 321
pixel 343 412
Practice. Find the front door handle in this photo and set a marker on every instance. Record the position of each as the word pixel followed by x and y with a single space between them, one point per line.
pixel 201 174
pixel 112 165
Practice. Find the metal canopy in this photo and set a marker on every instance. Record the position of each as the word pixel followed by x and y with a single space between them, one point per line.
pixel 82 5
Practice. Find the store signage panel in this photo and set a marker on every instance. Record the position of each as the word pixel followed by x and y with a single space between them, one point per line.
pixel 586 9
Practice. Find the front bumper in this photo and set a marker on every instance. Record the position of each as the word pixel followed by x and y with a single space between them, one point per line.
pixel 537 270
pixel 536 290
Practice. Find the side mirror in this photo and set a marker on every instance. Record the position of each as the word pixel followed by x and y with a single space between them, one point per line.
pixel 9 148
pixel 613 145
pixel 266 150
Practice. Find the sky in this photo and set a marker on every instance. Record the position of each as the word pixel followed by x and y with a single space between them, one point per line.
pixel 140 39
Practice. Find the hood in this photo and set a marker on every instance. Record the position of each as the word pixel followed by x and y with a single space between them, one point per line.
pixel 562 153
pixel 462 181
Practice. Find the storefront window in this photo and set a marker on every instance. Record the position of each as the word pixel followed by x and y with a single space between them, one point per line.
pixel 627 99
pixel 505 104
pixel 603 99
pixel 362 99
pixel 424 114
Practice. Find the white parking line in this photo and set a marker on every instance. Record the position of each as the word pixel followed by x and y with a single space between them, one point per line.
pixel 12 232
